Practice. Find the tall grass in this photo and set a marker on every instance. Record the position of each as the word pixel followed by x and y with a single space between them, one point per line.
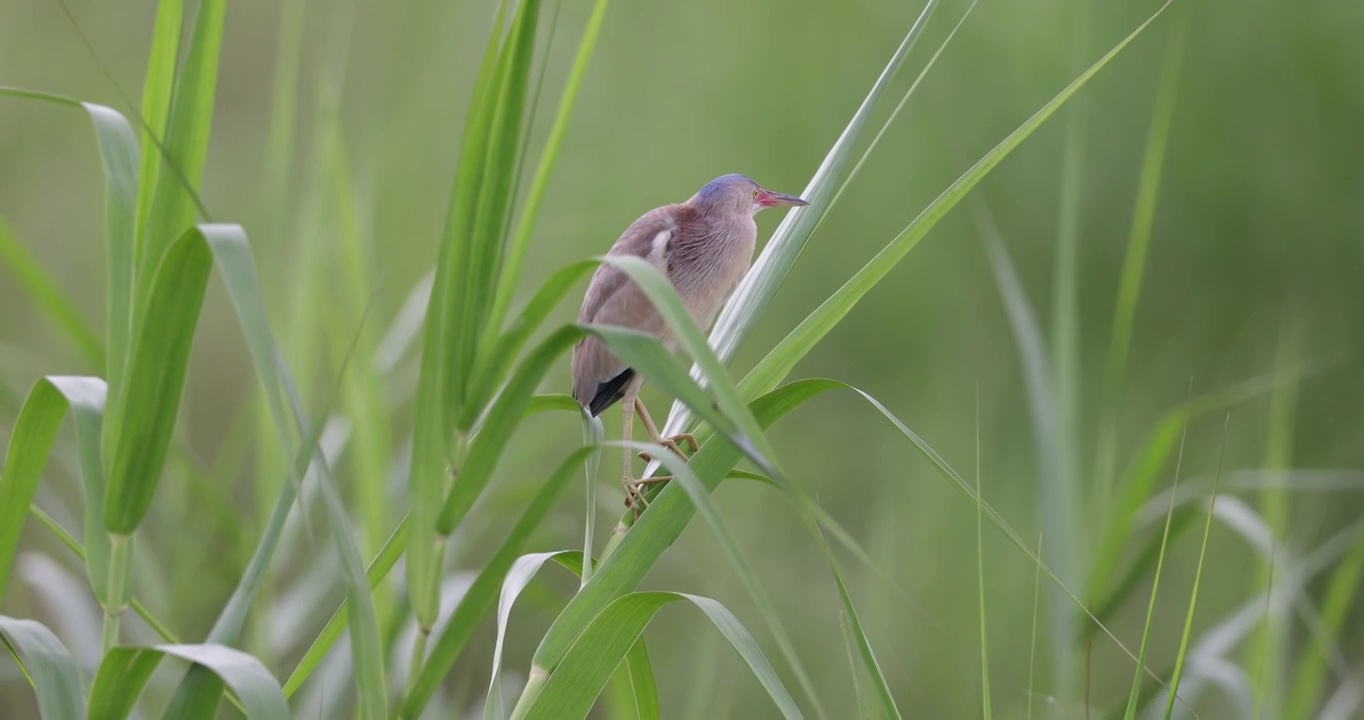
pixel 385 460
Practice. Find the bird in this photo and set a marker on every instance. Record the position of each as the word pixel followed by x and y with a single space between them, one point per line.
pixel 704 246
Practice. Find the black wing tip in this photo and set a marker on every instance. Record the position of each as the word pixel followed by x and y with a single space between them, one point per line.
pixel 610 392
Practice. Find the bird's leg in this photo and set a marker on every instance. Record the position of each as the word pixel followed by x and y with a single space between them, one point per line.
pixel 634 497
pixel 669 442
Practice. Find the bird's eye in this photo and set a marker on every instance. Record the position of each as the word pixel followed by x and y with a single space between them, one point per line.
pixel 755 194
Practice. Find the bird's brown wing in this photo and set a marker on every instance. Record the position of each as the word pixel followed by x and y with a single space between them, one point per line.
pixel 599 377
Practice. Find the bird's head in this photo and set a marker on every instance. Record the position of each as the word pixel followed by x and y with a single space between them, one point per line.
pixel 737 193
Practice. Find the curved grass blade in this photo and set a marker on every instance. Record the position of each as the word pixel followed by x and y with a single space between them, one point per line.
pixel 124 672
pixel 782 358
pixel 639 671
pixel 779 255
pixel 570 692
pixel 48 667
pixel 518 577
pixel 30 445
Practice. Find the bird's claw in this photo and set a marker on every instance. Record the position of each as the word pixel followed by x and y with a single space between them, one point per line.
pixel 672 444
pixel 634 492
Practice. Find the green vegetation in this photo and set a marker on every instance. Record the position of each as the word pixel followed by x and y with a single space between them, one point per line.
pixel 320 450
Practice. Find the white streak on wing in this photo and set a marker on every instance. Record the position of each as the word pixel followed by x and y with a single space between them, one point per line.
pixel 658 247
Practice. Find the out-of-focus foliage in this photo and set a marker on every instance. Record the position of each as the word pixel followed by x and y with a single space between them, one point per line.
pixel 1251 291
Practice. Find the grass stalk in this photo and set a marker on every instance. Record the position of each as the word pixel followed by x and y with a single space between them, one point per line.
pixel 120 560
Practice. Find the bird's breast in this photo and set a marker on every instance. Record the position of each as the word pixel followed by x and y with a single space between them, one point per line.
pixel 706 265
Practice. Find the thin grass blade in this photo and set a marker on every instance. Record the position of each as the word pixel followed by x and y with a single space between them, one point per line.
pixel 1271 648
pixel 1198 576
pixel 1135 695
pixel 593 436
pixel 1032 642
pixel 986 710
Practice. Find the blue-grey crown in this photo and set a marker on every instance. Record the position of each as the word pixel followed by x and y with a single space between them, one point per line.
pixel 720 185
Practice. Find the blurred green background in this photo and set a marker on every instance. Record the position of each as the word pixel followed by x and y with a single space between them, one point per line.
pixel 1258 236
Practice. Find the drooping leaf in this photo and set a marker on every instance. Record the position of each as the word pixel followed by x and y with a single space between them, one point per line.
pixel 30 446
pixel 48 667
pixel 124 672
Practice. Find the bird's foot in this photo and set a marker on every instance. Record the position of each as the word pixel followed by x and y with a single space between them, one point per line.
pixel 672 443
pixel 634 492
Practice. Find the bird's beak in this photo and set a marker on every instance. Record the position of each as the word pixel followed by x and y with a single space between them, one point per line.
pixel 767 198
